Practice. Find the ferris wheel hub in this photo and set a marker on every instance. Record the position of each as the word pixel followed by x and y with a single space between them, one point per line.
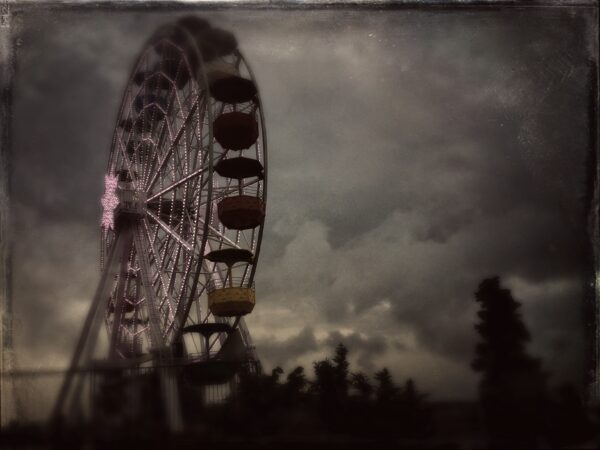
pixel 132 203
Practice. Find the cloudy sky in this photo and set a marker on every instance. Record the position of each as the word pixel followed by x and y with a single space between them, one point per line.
pixel 411 154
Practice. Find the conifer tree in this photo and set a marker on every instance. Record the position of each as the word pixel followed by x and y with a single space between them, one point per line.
pixel 513 387
pixel 385 391
pixel 296 381
pixel 360 382
pixel 341 369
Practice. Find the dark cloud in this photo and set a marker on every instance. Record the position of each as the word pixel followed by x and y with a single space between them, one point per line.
pixel 280 352
pixel 363 348
pixel 411 154
pixel 553 312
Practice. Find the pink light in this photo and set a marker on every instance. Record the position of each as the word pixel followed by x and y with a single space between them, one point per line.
pixel 109 201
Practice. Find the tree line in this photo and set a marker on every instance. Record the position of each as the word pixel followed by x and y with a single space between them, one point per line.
pixel 518 408
pixel 335 401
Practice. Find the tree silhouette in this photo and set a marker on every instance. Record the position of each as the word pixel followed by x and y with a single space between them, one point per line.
pixel 324 383
pixel 410 394
pixel 341 370
pixel 417 416
pixel 276 374
pixel 331 378
pixel 336 400
pixel 326 390
pixel 294 389
pixel 257 392
pixel 385 391
pixel 361 383
pixel 513 387
pixel 296 381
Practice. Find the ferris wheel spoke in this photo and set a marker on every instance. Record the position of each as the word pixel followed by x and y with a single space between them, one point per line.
pixel 176 166
pixel 160 132
pixel 178 183
pixel 242 236
pixel 156 253
pixel 159 160
pixel 174 115
pixel 148 148
pixel 173 303
pixel 180 158
pixel 170 133
pixel 156 335
pixel 162 269
pixel 201 137
pixel 230 188
pixel 172 146
pixel 221 235
pixel 188 150
pixel 197 288
pixel 166 247
pixel 180 103
pixel 195 220
pixel 184 115
pixel 127 163
pixel 158 275
pixel 183 285
pixel 213 274
pixel 189 283
pixel 169 231
pixel 159 264
pixel 173 272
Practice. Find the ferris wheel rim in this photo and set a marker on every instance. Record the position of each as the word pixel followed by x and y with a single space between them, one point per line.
pixel 264 159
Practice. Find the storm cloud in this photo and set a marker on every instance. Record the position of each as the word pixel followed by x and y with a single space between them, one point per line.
pixel 411 154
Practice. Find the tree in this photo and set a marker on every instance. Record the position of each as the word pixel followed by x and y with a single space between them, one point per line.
pixel 324 382
pixel 331 377
pixel 409 395
pixel 294 387
pixel 385 390
pixel 325 388
pixel 331 388
pixel 513 387
pixel 276 374
pixel 417 420
pixel 360 382
pixel 340 360
pixel 296 381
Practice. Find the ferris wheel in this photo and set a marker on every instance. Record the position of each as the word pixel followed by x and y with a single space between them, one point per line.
pixel 183 209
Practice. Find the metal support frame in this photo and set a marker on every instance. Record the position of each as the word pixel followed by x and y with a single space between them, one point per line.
pixel 91 326
pixel 163 354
